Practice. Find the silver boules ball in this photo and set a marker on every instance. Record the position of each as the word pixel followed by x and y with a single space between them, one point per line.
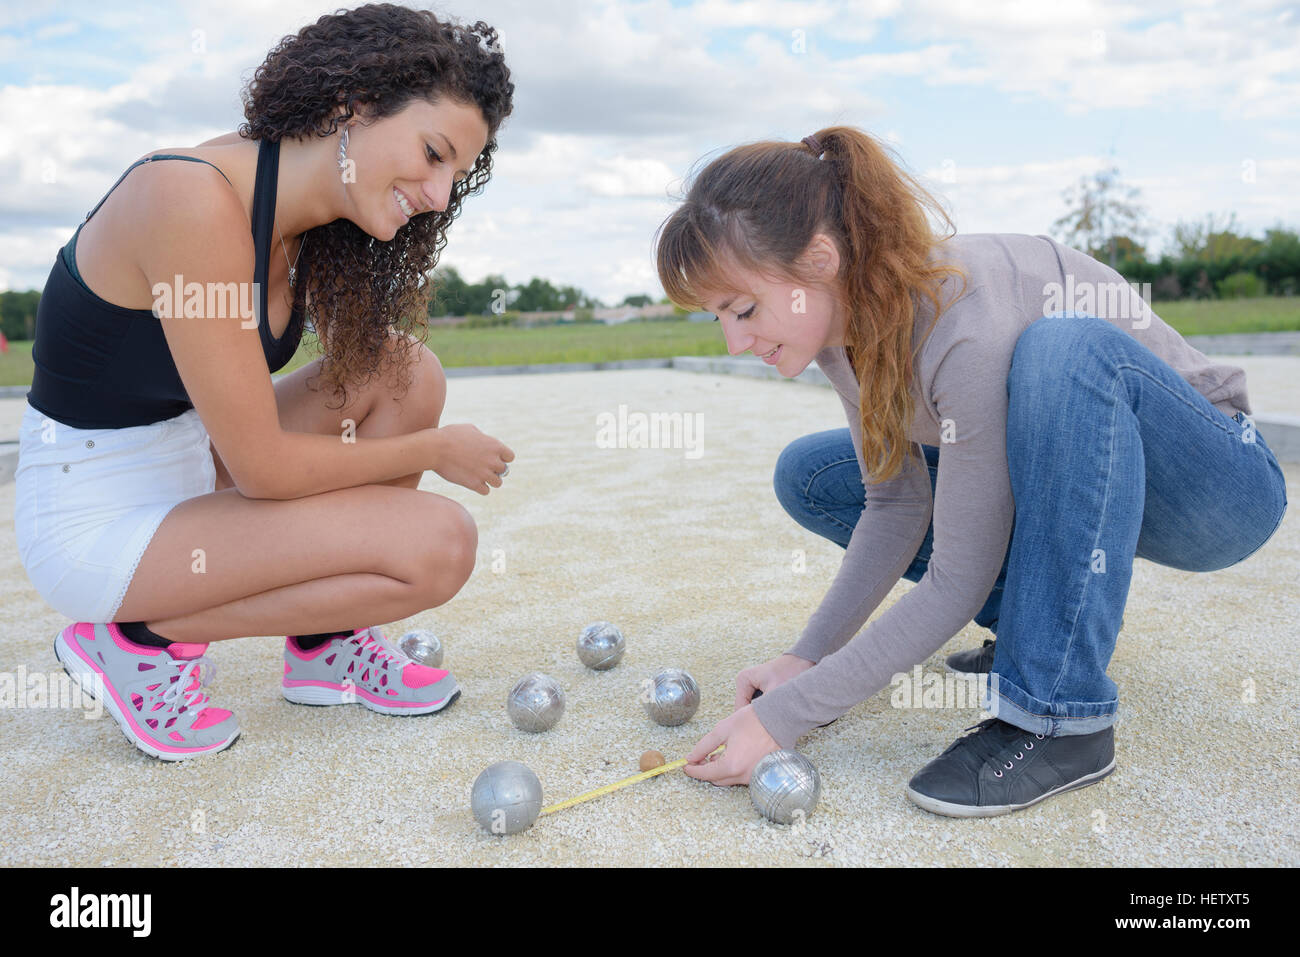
pixel 506 798
pixel 784 786
pixel 601 646
pixel 422 647
pixel 535 703
pixel 671 697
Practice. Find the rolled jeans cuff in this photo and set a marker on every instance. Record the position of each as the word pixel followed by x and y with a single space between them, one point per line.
pixel 1007 702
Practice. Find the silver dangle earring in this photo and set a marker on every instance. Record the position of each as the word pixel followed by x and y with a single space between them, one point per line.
pixel 343 150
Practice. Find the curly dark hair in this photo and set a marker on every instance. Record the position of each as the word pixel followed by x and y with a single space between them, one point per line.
pixel 379 57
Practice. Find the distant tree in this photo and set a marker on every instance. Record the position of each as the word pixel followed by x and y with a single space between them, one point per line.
pixel 493 295
pixel 1129 249
pixel 489 296
pixel 570 297
pixel 1278 260
pixel 1167 286
pixel 449 291
pixel 1102 211
pixel 636 301
pixel 1241 285
pixel 453 296
pixel 1210 241
pixel 18 313
pixel 578 299
pixel 539 296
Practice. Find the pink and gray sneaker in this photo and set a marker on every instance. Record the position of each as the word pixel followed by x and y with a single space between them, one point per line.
pixel 364 668
pixel 155 694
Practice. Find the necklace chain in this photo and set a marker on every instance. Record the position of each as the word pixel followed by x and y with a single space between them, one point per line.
pixel 293 266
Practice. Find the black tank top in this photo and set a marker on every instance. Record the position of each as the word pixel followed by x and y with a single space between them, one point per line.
pixel 101 366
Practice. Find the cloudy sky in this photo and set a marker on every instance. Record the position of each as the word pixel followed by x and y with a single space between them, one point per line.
pixel 998 107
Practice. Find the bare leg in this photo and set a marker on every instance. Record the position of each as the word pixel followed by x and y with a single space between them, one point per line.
pixel 335 561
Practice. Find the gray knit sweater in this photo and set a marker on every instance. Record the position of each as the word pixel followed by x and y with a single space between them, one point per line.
pixel 960 376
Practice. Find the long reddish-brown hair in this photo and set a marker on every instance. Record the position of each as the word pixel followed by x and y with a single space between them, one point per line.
pixel 758 207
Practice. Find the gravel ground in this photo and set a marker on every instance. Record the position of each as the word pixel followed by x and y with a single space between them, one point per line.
pixel 693 557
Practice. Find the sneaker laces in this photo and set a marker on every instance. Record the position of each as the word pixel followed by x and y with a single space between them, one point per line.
pixel 984 744
pixel 190 679
pixel 373 637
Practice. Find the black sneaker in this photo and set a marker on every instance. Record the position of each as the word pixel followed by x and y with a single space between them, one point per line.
pixel 1001 768
pixel 975 661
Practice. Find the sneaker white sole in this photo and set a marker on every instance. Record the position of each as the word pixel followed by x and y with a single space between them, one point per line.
pixel 949 809
pixel 322 697
pixel 90 681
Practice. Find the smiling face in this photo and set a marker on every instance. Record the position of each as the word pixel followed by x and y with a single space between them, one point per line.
pixel 784 323
pixel 406 163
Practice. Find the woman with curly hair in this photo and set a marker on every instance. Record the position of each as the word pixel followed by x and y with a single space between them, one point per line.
pixel 1026 432
pixel 169 493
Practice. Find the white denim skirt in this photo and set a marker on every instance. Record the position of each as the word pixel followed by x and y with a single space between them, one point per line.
pixel 88 502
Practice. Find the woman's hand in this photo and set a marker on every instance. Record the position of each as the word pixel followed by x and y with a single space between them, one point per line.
pixel 743 734
pixel 746 740
pixel 470 458
pixel 767 676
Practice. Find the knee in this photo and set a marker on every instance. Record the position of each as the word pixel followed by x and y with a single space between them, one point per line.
pixel 1064 333
pixel 1045 336
pixel 427 392
pixel 790 477
pixel 1049 343
pixel 819 470
pixel 451 552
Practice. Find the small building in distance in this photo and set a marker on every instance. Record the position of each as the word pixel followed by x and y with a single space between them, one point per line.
pixel 609 316
pixel 617 314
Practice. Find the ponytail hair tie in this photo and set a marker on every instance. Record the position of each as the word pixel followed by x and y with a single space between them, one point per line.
pixel 813 145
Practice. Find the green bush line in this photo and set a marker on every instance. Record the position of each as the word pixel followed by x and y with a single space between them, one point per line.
pixel 594 342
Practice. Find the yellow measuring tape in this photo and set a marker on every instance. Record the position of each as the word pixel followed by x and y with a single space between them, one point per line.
pixel 671 766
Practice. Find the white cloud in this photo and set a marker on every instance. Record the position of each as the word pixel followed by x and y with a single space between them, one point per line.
pixel 1010 198
pixel 616 100
pixel 67 28
pixel 627 176
pixel 1093 55
pixel 26 256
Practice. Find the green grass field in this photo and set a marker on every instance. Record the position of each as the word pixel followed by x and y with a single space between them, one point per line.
pixel 575 343
pixel 505 346
pixel 649 340
pixel 1209 317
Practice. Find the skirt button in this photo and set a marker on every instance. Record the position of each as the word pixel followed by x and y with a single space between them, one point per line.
pixel 67 468
pixel 90 443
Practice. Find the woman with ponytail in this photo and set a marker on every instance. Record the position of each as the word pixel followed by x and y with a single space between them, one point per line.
pixel 1021 427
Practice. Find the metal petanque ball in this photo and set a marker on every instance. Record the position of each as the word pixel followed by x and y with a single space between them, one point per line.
pixel 600 646
pixel 535 703
pixel 671 697
pixel 784 786
pixel 506 798
pixel 422 647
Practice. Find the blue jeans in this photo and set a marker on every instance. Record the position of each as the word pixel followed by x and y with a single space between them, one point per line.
pixel 1112 456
